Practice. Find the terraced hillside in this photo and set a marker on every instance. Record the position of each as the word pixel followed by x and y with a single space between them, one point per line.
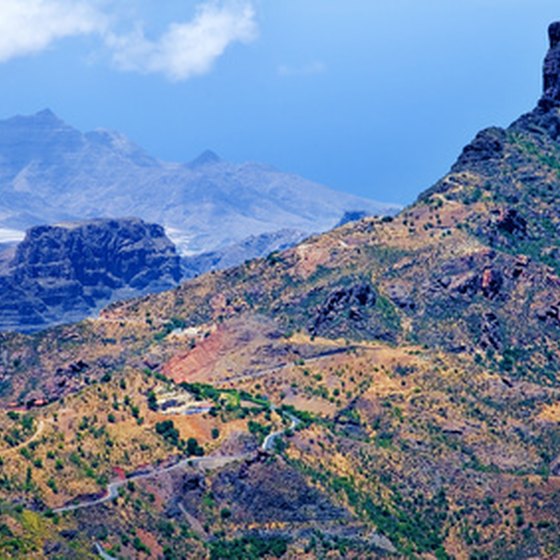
pixel 386 390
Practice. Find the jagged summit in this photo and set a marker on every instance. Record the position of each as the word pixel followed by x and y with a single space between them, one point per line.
pixel 44 119
pixel 551 74
pixel 65 272
pixel 541 123
pixel 554 34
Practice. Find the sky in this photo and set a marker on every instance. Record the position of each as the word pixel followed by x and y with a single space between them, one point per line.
pixel 372 97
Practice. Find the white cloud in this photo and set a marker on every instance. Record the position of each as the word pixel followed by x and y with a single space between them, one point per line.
pixel 184 50
pixel 30 26
pixel 190 48
pixel 311 69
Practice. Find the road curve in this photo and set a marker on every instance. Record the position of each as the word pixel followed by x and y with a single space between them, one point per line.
pixel 269 440
pixel 101 551
pixel 35 436
pixel 112 491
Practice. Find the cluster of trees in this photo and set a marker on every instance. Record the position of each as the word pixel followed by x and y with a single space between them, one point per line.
pixel 22 430
pixel 170 433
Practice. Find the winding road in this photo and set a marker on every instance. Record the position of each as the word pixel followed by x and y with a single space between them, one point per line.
pixel 112 491
pixel 255 374
pixel 269 440
pixel 101 551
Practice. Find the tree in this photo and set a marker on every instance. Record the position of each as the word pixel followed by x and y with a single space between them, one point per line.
pixel 168 431
pixel 193 448
pixel 152 401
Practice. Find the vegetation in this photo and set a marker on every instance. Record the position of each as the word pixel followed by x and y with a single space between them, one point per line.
pixel 249 548
pixel 168 432
pixel 420 356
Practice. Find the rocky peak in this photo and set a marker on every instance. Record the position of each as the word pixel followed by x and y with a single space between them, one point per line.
pixel 39 137
pixel 46 115
pixel 109 252
pixel 554 34
pixel 551 78
pixel 42 120
pixel 208 157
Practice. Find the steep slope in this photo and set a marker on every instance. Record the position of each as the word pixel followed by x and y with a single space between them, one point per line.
pixel 51 172
pixel 419 356
pixel 64 273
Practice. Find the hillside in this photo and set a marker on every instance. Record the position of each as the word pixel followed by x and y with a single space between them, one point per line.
pixel 51 172
pixel 404 370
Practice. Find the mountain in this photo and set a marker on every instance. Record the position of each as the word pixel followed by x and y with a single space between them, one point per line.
pixel 64 273
pixel 255 246
pixel 51 172
pixel 389 389
pixel 352 216
pixel 67 272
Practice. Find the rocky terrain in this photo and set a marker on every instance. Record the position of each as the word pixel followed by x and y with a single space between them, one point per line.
pixel 64 273
pixel 51 172
pixel 419 356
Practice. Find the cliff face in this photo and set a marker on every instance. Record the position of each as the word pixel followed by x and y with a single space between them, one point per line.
pixel 509 178
pixel 66 272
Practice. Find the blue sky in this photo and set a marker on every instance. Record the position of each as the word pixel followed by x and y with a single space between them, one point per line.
pixel 374 97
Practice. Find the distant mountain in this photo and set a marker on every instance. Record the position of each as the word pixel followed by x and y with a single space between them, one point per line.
pixel 253 247
pixel 66 272
pixel 51 172
pixel 352 216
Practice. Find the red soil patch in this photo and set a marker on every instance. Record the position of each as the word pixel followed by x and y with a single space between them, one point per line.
pixel 197 364
pixel 119 473
pixel 233 347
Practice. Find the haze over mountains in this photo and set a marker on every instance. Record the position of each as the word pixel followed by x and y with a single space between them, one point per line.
pixel 217 213
pixel 51 172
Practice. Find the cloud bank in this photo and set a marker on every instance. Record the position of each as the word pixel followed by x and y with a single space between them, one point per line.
pixel 184 50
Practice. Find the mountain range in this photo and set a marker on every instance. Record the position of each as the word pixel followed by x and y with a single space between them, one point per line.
pixel 388 389
pixel 51 172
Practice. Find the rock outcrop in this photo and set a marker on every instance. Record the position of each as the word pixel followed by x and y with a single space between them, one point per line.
pixel 66 272
pixel 551 82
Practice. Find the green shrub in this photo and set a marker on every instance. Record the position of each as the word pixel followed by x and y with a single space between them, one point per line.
pixel 168 432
